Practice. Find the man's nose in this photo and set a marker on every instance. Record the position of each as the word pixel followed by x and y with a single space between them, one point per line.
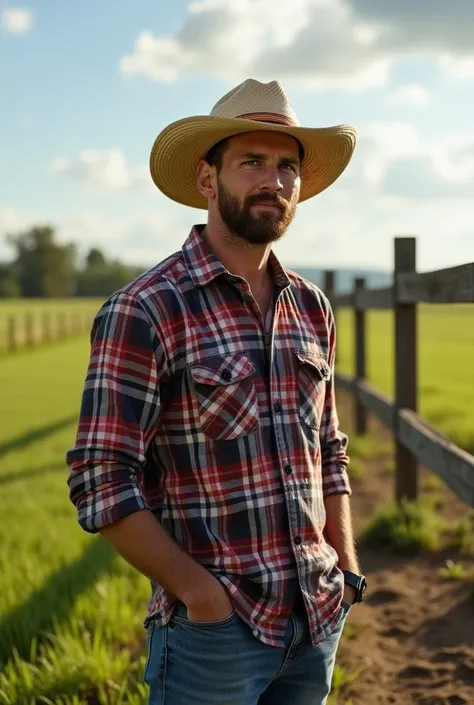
pixel 271 179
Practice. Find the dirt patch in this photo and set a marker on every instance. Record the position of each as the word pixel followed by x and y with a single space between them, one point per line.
pixel 413 638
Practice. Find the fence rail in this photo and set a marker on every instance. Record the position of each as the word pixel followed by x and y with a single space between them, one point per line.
pixel 27 329
pixel 415 440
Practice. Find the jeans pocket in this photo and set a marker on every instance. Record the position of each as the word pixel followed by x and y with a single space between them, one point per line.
pixel 180 616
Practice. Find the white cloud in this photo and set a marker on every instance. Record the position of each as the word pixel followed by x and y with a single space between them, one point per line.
pixel 442 171
pixel 102 168
pixel 345 44
pixel 457 68
pixel 394 159
pixel 412 94
pixel 16 20
pixel 161 59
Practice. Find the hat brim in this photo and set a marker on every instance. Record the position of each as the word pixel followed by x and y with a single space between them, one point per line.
pixel 179 148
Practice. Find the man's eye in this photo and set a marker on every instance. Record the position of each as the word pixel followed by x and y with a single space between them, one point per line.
pixel 252 162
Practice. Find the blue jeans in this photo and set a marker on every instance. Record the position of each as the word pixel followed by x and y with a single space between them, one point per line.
pixel 222 663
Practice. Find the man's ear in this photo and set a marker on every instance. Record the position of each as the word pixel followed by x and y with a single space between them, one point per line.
pixel 206 180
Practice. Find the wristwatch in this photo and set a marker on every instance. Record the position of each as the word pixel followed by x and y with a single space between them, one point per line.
pixel 356 581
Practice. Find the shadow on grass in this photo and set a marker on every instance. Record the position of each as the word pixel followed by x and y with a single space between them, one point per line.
pixel 36 434
pixel 54 600
pixel 28 473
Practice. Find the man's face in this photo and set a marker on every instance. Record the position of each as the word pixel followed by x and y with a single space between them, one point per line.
pixel 259 185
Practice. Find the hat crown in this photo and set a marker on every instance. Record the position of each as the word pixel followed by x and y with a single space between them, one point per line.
pixel 254 98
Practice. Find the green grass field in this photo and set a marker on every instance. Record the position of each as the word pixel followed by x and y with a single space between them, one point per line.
pixel 70 611
pixel 56 579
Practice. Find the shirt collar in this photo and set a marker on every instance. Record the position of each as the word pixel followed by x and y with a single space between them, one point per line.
pixel 203 266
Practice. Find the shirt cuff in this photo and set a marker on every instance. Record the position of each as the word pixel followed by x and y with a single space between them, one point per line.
pixel 98 510
pixel 336 480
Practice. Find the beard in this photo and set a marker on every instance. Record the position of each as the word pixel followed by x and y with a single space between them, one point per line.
pixel 261 229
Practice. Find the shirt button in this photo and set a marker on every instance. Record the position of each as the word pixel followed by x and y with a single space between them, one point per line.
pixel 227 375
pixel 298 540
pixel 277 408
pixel 288 469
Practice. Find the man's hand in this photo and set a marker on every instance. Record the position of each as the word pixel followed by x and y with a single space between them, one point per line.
pixel 211 605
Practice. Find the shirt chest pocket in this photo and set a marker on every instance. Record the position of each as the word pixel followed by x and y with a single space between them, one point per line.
pixel 313 373
pixel 224 387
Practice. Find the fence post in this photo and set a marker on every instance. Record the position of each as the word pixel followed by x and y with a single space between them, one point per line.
pixel 12 333
pixel 62 325
pixel 29 329
pixel 329 289
pixel 46 334
pixel 359 366
pixel 406 465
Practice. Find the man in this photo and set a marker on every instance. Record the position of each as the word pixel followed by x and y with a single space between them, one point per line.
pixel 208 451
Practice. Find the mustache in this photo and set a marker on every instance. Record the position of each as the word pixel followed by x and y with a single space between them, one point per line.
pixel 271 198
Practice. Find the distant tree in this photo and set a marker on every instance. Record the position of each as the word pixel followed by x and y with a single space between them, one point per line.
pixel 9 284
pixel 95 259
pixel 102 279
pixel 44 267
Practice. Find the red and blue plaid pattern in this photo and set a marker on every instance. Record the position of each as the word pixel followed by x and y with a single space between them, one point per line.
pixel 226 432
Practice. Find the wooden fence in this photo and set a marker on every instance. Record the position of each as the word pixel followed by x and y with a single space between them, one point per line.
pixel 415 440
pixel 28 329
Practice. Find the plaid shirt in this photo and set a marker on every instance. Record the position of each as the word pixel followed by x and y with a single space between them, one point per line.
pixel 227 433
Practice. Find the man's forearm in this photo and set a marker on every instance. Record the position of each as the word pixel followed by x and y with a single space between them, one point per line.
pixel 339 531
pixel 142 541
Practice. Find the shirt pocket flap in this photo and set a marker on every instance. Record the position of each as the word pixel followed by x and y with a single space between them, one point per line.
pixel 317 362
pixel 222 369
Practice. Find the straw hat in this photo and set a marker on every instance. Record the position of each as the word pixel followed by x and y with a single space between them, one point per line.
pixel 249 107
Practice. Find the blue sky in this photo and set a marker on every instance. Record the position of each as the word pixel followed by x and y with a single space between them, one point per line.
pixel 87 86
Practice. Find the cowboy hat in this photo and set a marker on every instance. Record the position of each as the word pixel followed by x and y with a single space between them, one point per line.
pixel 249 107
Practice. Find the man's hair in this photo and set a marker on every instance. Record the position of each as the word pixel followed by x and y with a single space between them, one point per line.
pixel 216 153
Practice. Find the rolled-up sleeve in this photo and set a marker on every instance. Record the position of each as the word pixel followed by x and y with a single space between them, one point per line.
pixel 119 414
pixel 333 441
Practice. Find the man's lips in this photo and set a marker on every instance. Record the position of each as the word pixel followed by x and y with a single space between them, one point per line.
pixel 266 204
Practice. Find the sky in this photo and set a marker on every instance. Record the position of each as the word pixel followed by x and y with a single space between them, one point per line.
pixel 85 88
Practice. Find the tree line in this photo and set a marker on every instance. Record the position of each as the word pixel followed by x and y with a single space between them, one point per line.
pixel 44 268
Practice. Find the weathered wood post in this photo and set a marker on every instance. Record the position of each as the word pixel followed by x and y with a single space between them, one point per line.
pixel 29 329
pixel 329 287
pixel 46 332
pixel 329 290
pixel 61 324
pixel 360 357
pixel 406 465
pixel 12 334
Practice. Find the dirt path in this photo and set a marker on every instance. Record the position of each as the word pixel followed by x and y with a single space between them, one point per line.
pixel 413 638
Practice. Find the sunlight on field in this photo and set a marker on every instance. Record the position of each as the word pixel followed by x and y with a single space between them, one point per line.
pixel 56 579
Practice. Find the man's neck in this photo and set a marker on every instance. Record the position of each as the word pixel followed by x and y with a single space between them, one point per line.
pixel 241 258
